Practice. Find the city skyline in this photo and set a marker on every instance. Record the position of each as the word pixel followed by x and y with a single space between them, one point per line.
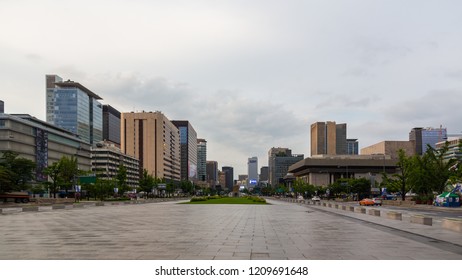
pixel 248 76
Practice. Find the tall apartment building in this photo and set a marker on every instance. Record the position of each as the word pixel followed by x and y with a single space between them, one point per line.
pixel 153 139
pixel 279 161
pixel 111 124
pixel 252 171
pixel 188 147
pixel 75 108
pixel 2 107
pixel 229 178
pixel 202 159
pixel 422 137
pixel 328 138
pixel 106 159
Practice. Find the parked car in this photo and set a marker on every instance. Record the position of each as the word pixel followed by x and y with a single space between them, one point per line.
pixel 366 202
pixel 316 198
pixel 377 201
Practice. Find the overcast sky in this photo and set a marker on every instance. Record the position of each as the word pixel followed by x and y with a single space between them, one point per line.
pixel 248 75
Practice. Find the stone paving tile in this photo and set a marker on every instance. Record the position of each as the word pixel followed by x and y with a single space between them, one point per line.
pixel 170 231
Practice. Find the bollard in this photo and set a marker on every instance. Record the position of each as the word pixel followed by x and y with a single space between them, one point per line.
pixel 452 224
pixel 422 220
pixel 374 212
pixel 394 216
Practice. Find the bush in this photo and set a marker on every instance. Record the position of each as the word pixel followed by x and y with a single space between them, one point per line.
pixel 198 198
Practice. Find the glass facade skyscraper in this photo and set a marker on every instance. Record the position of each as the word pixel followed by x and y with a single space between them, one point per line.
pixel 424 137
pixel 188 150
pixel 202 159
pixel 75 108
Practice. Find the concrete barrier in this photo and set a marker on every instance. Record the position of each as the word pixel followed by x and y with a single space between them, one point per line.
pixel 78 205
pixel 336 206
pixel 374 212
pixel 360 210
pixel 58 206
pixel 324 204
pixel 452 224
pixel 422 220
pixel 344 208
pixel 352 208
pixel 99 203
pixel 394 216
pixel 30 209
pixel 330 205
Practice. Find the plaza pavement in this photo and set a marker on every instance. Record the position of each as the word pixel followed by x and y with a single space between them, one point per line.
pixel 173 231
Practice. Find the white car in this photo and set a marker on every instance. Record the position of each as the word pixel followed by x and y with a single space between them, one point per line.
pixel 316 198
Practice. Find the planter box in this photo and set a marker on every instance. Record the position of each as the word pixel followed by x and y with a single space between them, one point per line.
pixel 374 212
pixel 422 220
pixel 30 209
pixel 452 224
pixel 394 216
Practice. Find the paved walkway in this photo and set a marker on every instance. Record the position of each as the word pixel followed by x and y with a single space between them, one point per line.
pixel 172 231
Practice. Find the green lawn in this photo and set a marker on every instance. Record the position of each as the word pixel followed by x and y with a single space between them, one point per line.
pixel 227 200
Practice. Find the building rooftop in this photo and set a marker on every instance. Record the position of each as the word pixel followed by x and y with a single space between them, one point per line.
pixel 72 84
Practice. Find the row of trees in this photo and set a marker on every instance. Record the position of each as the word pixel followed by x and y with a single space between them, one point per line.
pixel 426 174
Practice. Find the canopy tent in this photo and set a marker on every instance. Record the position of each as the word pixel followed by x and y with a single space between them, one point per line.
pixel 447 199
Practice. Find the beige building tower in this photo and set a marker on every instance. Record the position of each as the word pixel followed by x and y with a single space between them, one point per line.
pixel 154 140
pixel 328 138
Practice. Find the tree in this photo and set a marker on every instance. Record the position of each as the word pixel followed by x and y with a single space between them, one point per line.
pixel 405 169
pixel 147 182
pixel 68 171
pixel 361 186
pixel 121 178
pixel 53 171
pixel 440 169
pixel 15 172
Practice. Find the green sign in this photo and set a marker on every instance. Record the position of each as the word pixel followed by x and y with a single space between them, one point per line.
pixel 87 179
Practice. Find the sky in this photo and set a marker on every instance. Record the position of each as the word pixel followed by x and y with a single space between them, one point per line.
pixel 248 75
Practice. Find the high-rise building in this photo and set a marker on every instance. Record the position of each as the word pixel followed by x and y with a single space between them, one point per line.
pixel 111 124
pixel 202 159
pixel 279 160
pixel 252 171
pixel 212 173
pixel 229 177
pixel 328 138
pixel 75 108
pixel 2 107
pixel 264 173
pixel 424 137
pixel 188 147
pixel 153 139
pixel 107 158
